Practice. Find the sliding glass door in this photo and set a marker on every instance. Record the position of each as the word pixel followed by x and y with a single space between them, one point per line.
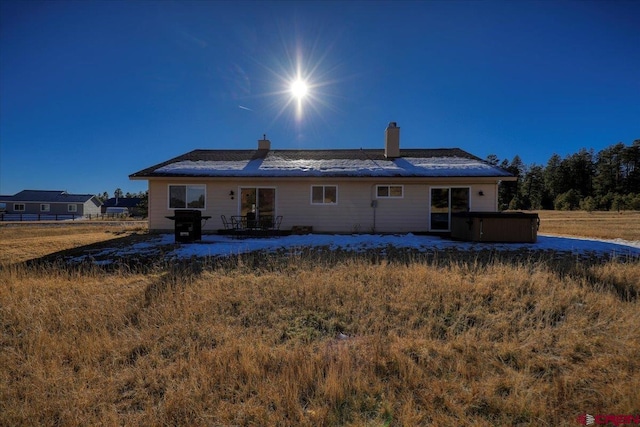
pixel 258 202
pixel 444 202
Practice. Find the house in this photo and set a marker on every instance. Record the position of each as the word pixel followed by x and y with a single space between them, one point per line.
pixel 50 203
pixel 386 190
pixel 128 205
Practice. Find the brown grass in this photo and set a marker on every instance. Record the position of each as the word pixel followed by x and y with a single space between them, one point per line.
pixel 440 342
pixel 605 225
pixel 22 241
pixel 497 344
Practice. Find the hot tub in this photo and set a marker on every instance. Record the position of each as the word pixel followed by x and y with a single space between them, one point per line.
pixel 513 227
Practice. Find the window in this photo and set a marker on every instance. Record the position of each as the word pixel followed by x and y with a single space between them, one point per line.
pixel 389 191
pixel 324 194
pixel 45 207
pixel 72 208
pixel 18 207
pixel 187 196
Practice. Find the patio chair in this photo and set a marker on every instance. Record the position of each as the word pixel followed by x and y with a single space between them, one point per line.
pixel 277 222
pixel 225 223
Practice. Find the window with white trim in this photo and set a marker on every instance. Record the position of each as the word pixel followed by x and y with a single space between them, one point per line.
pixel 389 191
pixel 72 208
pixel 18 207
pixel 324 194
pixel 187 196
pixel 45 207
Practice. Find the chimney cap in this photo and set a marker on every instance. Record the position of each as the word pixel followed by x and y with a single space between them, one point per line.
pixel 393 125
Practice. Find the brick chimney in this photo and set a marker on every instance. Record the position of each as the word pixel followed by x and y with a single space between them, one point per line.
pixel 392 141
pixel 264 143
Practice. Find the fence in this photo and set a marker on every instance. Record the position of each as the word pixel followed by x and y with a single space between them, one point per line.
pixel 57 217
pixel 38 217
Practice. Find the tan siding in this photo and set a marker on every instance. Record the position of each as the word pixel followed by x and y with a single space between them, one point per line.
pixel 158 206
pixel 218 202
pixel 406 214
pixel 294 204
pixel 352 214
pixel 485 203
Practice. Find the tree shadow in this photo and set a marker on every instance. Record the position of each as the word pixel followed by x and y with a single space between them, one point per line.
pixel 91 256
pixel 117 255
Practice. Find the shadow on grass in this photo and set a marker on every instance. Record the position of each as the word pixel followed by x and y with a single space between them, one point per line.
pixel 115 255
pixel 90 256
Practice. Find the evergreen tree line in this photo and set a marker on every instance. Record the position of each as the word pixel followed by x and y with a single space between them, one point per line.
pixel 118 193
pixel 607 180
pixel 140 210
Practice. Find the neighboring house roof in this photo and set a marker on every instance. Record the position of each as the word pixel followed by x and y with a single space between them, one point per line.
pixel 122 202
pixel 443 162
pixel 49 196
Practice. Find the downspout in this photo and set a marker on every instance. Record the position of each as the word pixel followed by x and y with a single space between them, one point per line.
pixel 374 202
pixel 374 205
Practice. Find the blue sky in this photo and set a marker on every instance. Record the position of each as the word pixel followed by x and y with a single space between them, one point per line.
pixel 91 92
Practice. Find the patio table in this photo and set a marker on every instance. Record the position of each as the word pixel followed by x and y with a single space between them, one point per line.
pixel 245 222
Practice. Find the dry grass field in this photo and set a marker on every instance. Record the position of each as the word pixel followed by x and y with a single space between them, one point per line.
pixel 24 241
pixel 604 225
pixel 257 342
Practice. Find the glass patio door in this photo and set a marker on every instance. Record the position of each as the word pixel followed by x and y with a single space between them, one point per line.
pixel 444 202
pixel 256 203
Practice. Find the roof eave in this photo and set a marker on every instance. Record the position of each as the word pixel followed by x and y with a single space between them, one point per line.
pixel 299 176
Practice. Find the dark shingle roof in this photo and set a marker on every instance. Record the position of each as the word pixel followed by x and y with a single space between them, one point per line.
pixel 439 162
pixel 48 196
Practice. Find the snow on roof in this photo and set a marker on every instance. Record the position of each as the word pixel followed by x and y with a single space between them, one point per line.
pixel 275 165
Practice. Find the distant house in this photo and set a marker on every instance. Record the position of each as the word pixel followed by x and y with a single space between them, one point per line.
pixel 389 190
pixel 131 204
pixel 51 203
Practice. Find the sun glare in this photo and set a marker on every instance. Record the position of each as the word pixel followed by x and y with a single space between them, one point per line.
pixel 300 84
pixel 299 89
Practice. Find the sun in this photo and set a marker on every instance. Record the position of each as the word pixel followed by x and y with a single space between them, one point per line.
pixel 301 82
pixel 299 89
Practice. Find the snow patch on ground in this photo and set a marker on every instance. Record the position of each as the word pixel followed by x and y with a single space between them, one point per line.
pixel 222 246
